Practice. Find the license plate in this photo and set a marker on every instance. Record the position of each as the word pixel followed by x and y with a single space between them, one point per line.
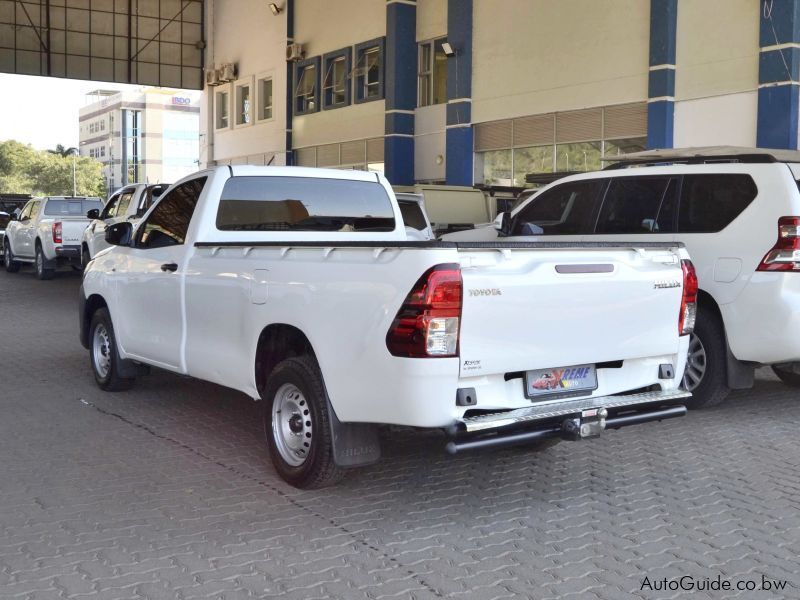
pixel 560 383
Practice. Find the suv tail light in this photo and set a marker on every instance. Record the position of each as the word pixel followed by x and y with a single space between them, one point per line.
pixel 57 232
pixel 785 254
pixel 427 324
pixel 689 300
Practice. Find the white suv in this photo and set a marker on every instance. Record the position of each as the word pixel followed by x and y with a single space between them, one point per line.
pixel 737 210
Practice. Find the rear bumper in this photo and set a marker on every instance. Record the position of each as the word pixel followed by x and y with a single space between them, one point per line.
pixel 564 419
pixel 70 253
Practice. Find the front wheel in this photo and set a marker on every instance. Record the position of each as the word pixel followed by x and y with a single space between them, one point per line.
pixel 85 258
pixel 297 425
pixel 705 374
pixel 104 356
pixel 787 375
pixel 42 272
pixel 11 265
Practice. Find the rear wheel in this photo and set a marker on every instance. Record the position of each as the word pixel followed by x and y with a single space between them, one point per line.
pixel 42 271
pixel 297 425
pixel 105 359
pixel 705 374
pixel 11 265
pixel 85 258
pixel 787 375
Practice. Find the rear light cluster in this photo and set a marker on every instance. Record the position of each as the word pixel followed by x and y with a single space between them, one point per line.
pixel 785 254
pixel 57 232
pixel 689 299
pixel 427 323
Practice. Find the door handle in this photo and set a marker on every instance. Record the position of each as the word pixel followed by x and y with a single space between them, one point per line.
pixel 172 267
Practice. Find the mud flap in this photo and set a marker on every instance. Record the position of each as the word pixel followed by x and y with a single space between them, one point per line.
pixel 354 444
pixel 741 376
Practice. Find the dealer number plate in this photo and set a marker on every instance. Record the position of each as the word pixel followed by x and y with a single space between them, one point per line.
pixel 560 383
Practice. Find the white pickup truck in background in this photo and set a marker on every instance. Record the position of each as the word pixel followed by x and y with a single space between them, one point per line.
pixel 299 287
pixel 128 203
pixel 48 234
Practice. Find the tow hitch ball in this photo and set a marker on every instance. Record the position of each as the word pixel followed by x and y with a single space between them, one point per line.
pixel 591 423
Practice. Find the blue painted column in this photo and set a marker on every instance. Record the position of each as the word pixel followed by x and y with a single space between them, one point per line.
pixel 779 75
pixel 459 146
pixel 400 85
pixel 289 83
pixel 661 83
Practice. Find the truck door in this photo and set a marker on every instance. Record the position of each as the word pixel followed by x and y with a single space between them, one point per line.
pixel 149 290
pixel 26 235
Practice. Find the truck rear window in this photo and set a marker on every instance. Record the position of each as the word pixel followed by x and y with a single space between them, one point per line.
pixel 259 203
pixel 71 208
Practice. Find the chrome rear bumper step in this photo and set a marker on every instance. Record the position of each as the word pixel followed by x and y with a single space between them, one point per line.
pixel 520 416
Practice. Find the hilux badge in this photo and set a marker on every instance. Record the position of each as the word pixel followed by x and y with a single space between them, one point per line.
pixel 666 284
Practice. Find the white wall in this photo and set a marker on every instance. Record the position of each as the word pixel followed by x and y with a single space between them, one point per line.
pixel 430 142
pixel 431 19
pixel 728 120
pixel 538 56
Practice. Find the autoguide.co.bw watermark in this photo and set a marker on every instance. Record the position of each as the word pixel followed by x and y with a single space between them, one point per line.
pixel 689 583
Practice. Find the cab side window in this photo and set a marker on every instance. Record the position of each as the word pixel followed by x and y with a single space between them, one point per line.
pixel 565 209
pixel 36 208
pixel 639 205
pixel 110 210
pixel 124 202
pixel 169 221
pixel 709 203
pixel 26 212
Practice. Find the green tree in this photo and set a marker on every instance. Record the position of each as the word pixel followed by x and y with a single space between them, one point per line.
pixel 62 150
pixel 24 170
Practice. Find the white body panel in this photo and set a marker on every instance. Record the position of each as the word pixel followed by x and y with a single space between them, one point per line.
pixel 759 310
pixel 213 309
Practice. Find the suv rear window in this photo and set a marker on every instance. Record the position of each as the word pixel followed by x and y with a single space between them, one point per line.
pixel 639 205
pixel 71 208
pixel 563 210
pixel 266 203
pixel 709 203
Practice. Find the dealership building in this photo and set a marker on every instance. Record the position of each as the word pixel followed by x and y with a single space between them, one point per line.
pixel 145 136
pixel 468 91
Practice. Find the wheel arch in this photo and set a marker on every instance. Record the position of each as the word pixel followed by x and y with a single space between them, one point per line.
pixel 278 342
pixel 738 374
pixel 90 306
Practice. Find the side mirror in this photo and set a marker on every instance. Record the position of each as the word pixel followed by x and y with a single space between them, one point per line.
pixel 93 214
pixel 502 223
pixel 119 234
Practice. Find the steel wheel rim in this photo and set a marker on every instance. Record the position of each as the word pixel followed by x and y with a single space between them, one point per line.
pixel 291 425
pixel 696 364
pixel 101 351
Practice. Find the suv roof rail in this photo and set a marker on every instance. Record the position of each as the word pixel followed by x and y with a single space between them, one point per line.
pixel 703 155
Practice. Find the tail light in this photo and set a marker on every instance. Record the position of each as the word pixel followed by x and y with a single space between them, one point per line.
pixel 689 300
pixel 427 323
pixel 785 254
pixel 57 232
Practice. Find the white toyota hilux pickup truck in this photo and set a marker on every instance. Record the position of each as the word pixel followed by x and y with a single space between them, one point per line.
pixel 299 287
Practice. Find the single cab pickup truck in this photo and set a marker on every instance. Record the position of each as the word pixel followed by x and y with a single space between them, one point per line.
pixel 299 287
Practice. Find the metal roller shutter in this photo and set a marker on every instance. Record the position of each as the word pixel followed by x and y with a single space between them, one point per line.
pixel 538 130
pixel 579 125
pixel 625 121
pixel 328 155
pixel 493 136
pixel 306 157
pixel 375 150
pixel 353 153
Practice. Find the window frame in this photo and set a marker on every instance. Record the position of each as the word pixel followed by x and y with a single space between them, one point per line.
pixel 429 72
pixel 359 80
pixel 328 61
pixel 220 90
pixel 140 230
pixel 300 67
pixel 260 79
pixel 246 82
pixel 677 178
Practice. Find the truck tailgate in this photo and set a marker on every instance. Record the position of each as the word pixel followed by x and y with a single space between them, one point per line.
pixel 72 228
pixel 542 308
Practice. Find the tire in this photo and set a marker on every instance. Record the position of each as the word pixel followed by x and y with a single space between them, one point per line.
pixel 103 354
pixel 787 376
pixel 85 258
pixel 11 265
pixel 297 425
pixel 706 373
pixel 42 272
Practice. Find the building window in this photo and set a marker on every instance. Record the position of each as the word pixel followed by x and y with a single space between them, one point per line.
pixel 102 125
pixel 103 151
pixel 335 88
pixel 265 98
pixel 368 73
pixel 432 70
pixel 222 104
pixel 306 76
pixel 243 103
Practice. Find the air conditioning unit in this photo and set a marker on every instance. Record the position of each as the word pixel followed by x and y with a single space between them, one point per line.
pixel 295 52
pixel 227 72
pixel 212 77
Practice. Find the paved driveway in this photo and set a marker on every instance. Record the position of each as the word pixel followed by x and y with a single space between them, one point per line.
pixel 166 492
